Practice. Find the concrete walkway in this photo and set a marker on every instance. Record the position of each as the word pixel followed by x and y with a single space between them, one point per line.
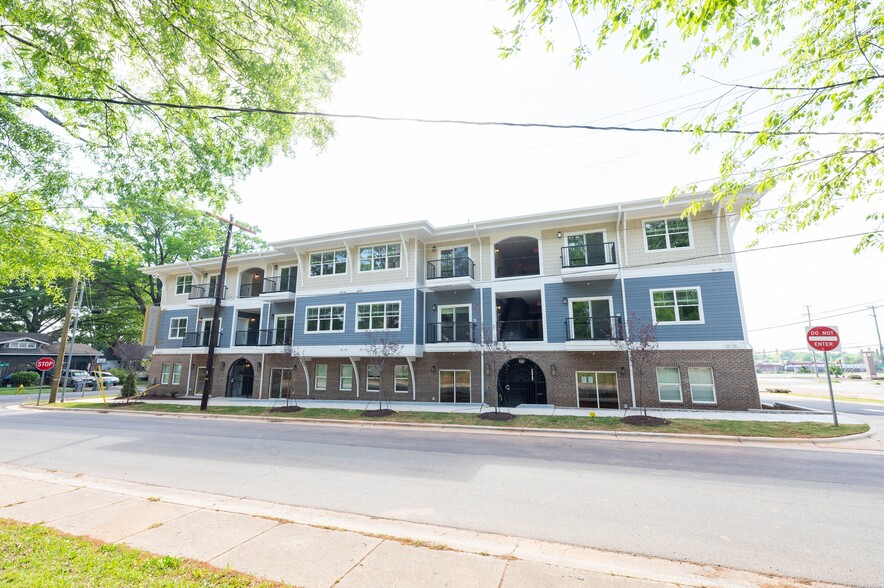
pixel 316 548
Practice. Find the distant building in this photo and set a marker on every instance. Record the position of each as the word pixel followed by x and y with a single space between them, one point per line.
pixel 22 350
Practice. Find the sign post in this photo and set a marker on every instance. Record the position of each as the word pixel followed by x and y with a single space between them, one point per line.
pixel 44 364
pixel 825 339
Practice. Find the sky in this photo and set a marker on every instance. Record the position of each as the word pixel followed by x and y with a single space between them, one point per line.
pixel 418 60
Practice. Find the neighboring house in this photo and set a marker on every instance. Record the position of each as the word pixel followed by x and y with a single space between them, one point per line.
pixel 557 287
pixel 22 350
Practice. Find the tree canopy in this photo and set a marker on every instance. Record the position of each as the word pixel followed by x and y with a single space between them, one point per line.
pixel 821 139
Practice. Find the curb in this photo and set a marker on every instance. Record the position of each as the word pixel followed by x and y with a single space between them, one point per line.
pixel 608 435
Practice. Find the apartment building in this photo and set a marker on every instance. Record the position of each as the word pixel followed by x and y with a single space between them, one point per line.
pixel 560 290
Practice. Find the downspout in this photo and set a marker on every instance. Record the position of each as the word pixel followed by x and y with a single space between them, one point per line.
pixel 481 323
pixel 189 370
pixel 411 375
pixel 306 374
pixel 718 230
pixel 621 240
pixel 355 374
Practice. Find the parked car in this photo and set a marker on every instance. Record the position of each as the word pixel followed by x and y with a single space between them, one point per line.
pixel 71 377
pixel 108 378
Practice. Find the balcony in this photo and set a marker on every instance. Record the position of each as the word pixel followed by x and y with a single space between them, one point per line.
pixel 196 339
pixel 597 328
pixel 524 330
pixel 589 262
pixel 513 267
pixel 251 290
pixel 269 337
pixel 204 294
pixel 452 273
pixel 246 338
pixel 281 288
pixel 450 332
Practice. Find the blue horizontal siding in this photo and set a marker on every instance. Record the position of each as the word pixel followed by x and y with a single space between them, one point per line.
pixel 405 335
pixel 721 307
pixel 556 312
pixel 166 316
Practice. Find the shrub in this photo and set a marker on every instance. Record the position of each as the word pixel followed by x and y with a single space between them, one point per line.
pixel 24 378
pixel 129 385
pixel 120 373
pixel 854 377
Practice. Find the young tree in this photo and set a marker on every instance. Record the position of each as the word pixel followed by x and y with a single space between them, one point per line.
pixel 639 342
pixel 493 353
pixel 380 347
pixel 820 139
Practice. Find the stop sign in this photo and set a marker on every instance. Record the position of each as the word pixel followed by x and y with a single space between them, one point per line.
pixel 823 338
pixel 44 364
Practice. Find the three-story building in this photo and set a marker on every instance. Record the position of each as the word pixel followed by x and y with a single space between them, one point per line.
pixel 564 291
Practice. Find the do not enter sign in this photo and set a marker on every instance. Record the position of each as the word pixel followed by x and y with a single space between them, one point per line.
pixel 823 338
pixel 44 364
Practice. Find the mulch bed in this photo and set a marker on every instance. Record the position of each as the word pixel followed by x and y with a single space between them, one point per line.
pixel 644 421
pixel 383 412
pixel 496 416
pixel 287 409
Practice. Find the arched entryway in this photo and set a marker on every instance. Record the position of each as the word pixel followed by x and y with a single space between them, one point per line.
pixel 521 381
pixel 240 378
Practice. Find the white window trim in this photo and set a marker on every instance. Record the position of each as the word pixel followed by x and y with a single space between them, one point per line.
pixel 691 385
pixel 680 391
pixel 341 378
pixel 596 372
pixel 439 384
pixel 165 376
pixel 441 307
pixel 175 378
pixel 182 280
pixel 407 378
pixel 344 322
pixel 386 269
pixel 316 376
pixel 571 302
pixel 368 377
pixel 171 328
pixel 343 273
pixel 702 320
pixel 667 249
pixel 439 248
pixel 291 315
pixel 385 302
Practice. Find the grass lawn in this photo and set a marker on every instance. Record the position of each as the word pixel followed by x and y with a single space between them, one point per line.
pixel 692 426
pixel 32 555
pixel 13 390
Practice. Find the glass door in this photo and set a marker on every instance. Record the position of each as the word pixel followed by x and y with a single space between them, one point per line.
pixel 285 324
pixel 455 262
pixel 586 249
pixel 597 390
pixel 591 319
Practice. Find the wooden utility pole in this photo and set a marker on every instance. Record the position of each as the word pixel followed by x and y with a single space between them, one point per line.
pixel 59 363
pixel 216 313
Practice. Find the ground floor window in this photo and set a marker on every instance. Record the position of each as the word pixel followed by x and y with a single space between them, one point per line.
pixel 320 377
pixel 669 384
pixel 702 385
pixel 454 385
pixel 346 377
pixel 167 372
pixel 401 376
pixel 281 382
pixel 597 390
pixel 200 384
pixel 373 379
pixel 176 374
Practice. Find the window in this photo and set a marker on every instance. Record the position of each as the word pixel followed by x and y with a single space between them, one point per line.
pixel 325 319
pixel 597 390
pixel 328 263
pixel 401 376
pixel 177 328
pixel 669 384
pixel 377 316
pixel 677 306
pixel 176 374
pixel 346 377
pixel 320 377
pixel 670 233
pixel 183 284
pixel 454 385
pixel 167 370
pixel 379 257
pixel 373 379
pixel 22 345
pixel 702 385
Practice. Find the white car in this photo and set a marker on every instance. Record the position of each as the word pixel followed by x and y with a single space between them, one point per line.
pixel 108 378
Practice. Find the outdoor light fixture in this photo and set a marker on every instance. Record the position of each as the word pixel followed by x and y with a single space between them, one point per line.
pixel 559 234
pixel 552 368
pixel 223 365
pixel 434 247
pixel 622 370
pixel 259 365
pixel 434 308
pixel 565 300
pixel 434 369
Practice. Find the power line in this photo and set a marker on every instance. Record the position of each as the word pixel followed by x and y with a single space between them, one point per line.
pixel 444 121
pixel 819 318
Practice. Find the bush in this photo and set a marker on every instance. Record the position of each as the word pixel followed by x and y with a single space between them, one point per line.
pixel 120 373
pixel 24 378
pixel 129 385
pixel 854 377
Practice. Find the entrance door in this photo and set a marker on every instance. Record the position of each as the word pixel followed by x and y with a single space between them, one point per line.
pixel 454 324
pixel 240 379
pixel 285 324
pixel 597 390
pixel 455 262
pixel 591 319
pixel 586 249
pixel 521 381
pixel 280 383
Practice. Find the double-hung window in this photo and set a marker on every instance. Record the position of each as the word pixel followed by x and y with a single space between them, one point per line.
pixel 346 377
pixel 702 385
pixel 677 305
pixel 377 316
pixel 380 257
pixel 176 374
pixel 669 384
pixel 401 377
pixel 373 379
pixel 670 233
pixel 183 284
pixel 321 376
pixel 177 327
pixel 328 263
pixel 167 371
pixel 325 319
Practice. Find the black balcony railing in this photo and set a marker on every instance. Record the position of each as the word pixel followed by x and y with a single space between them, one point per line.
pixel 460 332
pixel 530 330
pixel 280 284
pixel 597 328
pixel 510 267
pixel 275 337
pixel 246 337
pixel 196 339
pixel 198 291
pixel 251 290
pixel 452 267
pixel 589 255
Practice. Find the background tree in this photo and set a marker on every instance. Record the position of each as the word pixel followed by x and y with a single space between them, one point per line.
pixel 26 309
pixel 830 80
pixel 380 347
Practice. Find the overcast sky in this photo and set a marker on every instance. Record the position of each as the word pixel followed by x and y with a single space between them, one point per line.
pixel 418 60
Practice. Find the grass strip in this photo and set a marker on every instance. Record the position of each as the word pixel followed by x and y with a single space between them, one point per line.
pixel 580 423
pixel 33 555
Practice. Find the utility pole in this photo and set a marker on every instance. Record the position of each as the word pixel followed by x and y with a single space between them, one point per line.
pixel 809 324
pixel 878 331
pixel 59 363
pixel 216 313
pixel 74 336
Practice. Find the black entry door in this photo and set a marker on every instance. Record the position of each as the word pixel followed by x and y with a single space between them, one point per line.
pixel 521 381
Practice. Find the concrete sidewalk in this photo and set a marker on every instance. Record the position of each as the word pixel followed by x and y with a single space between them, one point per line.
pixel 311 547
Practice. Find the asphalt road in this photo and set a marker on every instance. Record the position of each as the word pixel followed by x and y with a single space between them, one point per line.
pixel 807 513
pixel 824 404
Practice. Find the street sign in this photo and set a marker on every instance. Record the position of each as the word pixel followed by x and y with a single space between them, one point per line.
pixel 823 338
pixel 44 364
pixel 4 364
